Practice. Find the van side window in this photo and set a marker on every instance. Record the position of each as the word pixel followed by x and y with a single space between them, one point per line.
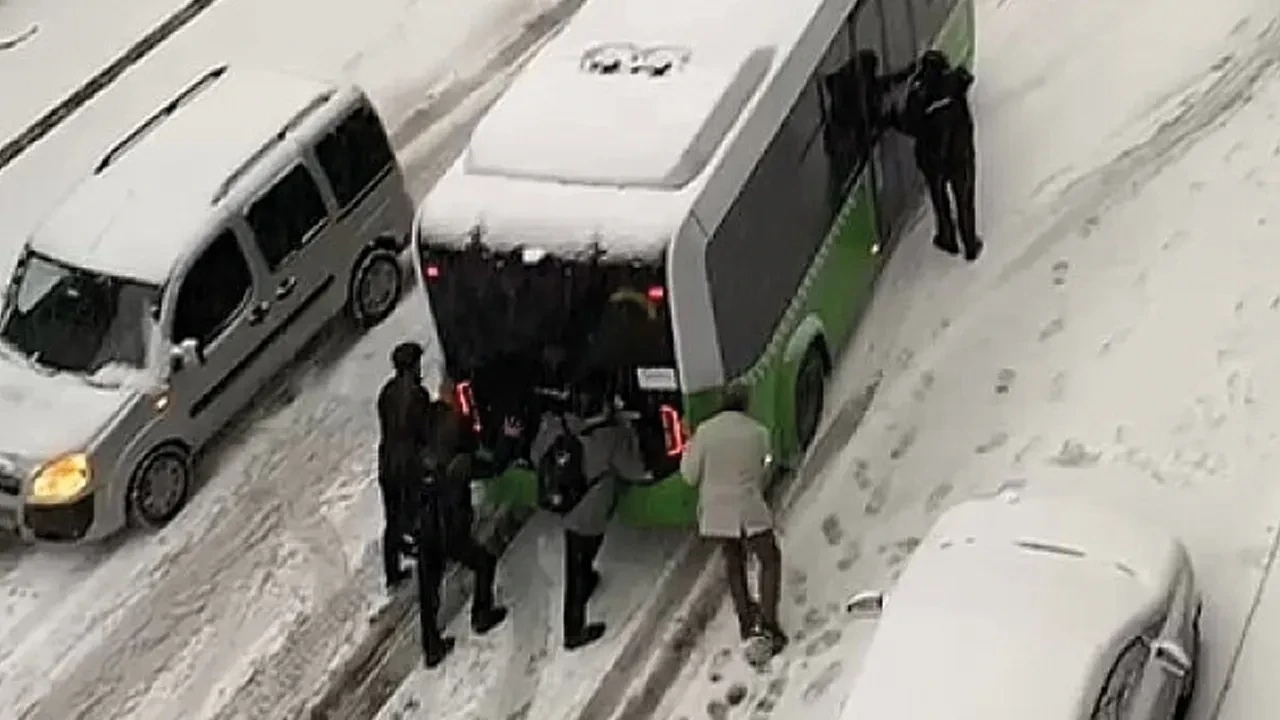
pixel 284 218
pixel 1120 687
pixel 355 155
pixel 214 289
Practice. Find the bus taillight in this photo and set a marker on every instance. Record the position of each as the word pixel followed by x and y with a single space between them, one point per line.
pixel 656 293
pixel 431 271
pixel 467 403
pixel 673 430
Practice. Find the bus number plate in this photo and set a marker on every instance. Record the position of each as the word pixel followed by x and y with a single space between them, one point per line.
pixel 657 378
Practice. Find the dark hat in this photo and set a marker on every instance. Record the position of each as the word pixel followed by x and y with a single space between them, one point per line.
pixel 934 61
pixel 407 357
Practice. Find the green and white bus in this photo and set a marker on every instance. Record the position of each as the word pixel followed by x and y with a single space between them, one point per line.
pixel 663 203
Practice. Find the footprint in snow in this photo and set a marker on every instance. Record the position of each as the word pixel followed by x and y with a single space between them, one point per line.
pixel 824 642
pixel 1059 272
pixel 832 532
pixel 1004 380
pixel 904 444
pixel 862 474
pixel 875 503
pixel 852 553
pixel 819 686
pixel 925 384
pixel 1052 328
pixel 1074 454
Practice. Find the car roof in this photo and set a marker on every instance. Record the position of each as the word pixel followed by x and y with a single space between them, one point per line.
pixel 1009 611
pixel 152 201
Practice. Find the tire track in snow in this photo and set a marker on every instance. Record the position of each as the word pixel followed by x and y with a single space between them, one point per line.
pixel 1228 87
pixel 242 552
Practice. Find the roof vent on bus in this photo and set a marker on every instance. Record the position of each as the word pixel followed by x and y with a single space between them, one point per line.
pixel 627 59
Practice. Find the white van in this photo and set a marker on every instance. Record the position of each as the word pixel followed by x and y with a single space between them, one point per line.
pixel 205 249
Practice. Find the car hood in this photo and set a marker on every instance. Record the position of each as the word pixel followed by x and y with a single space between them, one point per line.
pixel 43 415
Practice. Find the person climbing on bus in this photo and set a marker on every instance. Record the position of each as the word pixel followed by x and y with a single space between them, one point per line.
pixel 728 461
pixel 582 454
pixel 445 525
pixel 938 117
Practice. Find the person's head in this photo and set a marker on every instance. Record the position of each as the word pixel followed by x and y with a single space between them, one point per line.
pixel 868 63
pixel 406 359
pixel 933 63
pixel 736 399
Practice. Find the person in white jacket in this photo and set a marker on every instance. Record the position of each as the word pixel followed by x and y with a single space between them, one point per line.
pixel 728 461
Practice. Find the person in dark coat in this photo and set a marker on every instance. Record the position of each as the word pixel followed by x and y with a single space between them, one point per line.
pixel 938 117
pixel 445 528
pixel 610 455
pixel 404 433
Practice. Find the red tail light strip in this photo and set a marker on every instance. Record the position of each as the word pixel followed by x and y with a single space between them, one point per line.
pixel 673 430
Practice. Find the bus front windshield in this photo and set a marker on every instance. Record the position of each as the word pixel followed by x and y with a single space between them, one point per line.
pixel 72 320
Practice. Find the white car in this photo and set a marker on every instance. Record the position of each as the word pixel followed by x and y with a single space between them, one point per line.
pixel 1049 608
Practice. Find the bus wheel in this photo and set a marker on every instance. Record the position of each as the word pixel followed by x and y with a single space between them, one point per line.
pixel 811 386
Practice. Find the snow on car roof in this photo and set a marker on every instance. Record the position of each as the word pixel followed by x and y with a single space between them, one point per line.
pixel 1006 612
pixel 152 203
pixel 575 157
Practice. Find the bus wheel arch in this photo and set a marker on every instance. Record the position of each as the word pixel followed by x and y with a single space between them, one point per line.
pixel 809 359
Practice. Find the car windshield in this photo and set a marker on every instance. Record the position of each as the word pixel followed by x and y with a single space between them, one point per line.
pixel 73 320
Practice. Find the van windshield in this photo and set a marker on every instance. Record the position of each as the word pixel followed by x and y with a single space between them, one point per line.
pixel 73 320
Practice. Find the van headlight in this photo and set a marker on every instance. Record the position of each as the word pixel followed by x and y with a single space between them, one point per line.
pixel 60 480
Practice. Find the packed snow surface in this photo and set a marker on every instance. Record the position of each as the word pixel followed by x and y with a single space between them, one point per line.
pixel 245 604
pixel 1113 342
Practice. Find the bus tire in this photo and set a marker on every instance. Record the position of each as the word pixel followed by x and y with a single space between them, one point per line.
pixel 810 395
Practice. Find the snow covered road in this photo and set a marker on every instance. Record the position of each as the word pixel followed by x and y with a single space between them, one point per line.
pixel 1115 341
pixel 245 604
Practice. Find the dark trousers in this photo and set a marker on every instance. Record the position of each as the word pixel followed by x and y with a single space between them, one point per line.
pixel 765 547
pixel 398 517
pixel 580 553
pixel 958 181
pixel 468 553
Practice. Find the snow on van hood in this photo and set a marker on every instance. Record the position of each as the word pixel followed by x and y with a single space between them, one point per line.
pixel 43 415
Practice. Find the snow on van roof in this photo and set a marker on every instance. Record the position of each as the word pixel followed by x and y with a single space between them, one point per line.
pixel 153 201
pixel 583 155
pixel 1006 610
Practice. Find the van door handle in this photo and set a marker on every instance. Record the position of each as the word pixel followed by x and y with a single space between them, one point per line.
pixel 259 313
pixel 286 287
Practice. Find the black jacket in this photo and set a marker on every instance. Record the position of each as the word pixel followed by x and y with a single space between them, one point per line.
pixel 938 117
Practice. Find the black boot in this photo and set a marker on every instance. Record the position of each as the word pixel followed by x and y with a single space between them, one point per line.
pixel 973 250
pixel 777 639
pixel 946 244
pixel 435 652
pixel 482 621
pixel 589 634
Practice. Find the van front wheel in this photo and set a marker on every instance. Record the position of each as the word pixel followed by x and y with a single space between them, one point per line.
pixel 160 487
pixel 376 284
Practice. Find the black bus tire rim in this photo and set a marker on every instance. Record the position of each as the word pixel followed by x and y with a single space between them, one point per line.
pixel 160 487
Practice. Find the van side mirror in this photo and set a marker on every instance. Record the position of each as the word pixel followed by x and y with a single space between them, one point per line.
pixel 869 603
pixel 184 354
pixel 1172 658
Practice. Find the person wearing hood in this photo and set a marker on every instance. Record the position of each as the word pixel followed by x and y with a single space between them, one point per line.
pixel 938 117
pixel 605 450
pixel 425 473
pixel 728 461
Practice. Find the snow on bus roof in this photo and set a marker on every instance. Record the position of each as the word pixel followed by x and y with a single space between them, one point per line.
pixel 151 202
pixel 575 158
pixel 629 223
pixel 630 94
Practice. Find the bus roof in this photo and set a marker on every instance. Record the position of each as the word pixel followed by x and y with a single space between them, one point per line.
pixel 573 155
